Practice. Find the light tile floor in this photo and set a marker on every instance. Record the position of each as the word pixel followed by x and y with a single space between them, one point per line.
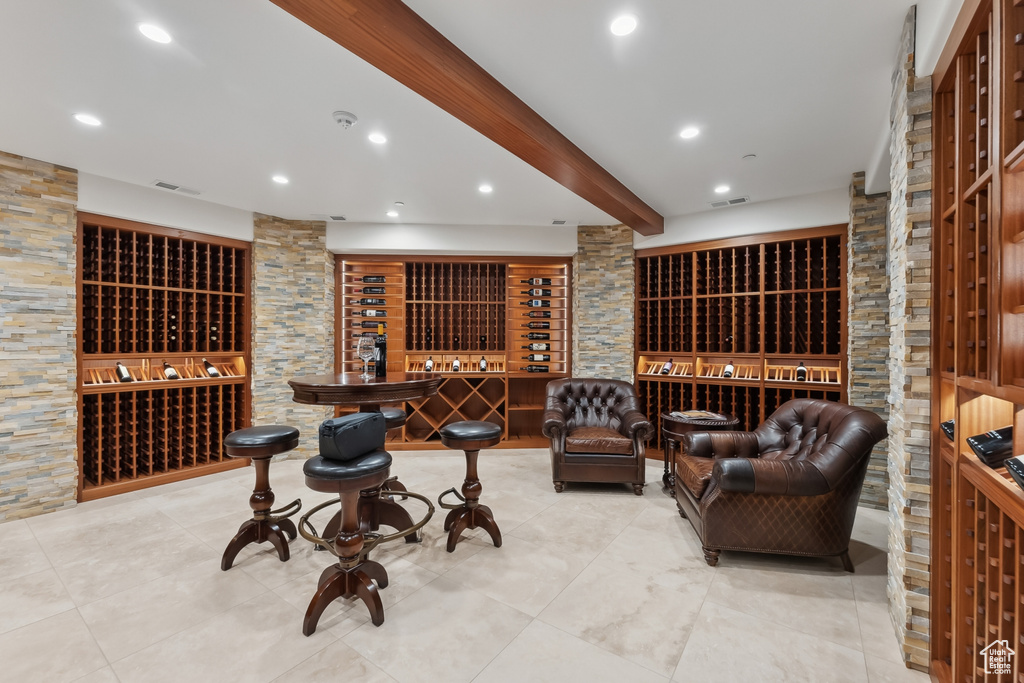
pixel 594 584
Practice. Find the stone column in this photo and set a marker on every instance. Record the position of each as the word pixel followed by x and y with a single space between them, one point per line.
pixel 39 422
pixel 867 285
pixel 602 303
pixel 293 322
pixel 909 247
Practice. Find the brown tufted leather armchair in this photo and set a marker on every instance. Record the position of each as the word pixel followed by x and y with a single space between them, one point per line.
pixel 597 432
pixel 790 486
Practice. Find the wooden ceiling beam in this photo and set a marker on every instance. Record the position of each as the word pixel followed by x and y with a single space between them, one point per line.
pixel 396 40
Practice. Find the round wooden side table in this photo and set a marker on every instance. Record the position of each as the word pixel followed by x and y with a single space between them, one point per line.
pixel 673 426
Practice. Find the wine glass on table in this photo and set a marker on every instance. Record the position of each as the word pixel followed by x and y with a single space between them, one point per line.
pixel 365 351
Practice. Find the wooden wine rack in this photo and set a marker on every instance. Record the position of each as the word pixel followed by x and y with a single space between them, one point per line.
pixel 149 296
pixel 977 532
pixel 465 309
pixel 762 304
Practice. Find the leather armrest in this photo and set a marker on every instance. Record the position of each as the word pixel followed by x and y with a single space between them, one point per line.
pixel 554 426
pixel 635 425
pixel 720 444
pixel 780 477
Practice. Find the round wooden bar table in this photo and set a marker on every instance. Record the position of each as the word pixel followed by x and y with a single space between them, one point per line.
pixel 349 389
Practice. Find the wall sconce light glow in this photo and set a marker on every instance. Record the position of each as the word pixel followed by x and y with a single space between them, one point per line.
pixel 722 189
pixel 280 179
pixel 392 214
pixel 377 138
pixel 155 33
pixel 689 132
pixel 87 119
pixel 486 189
pixel 624 25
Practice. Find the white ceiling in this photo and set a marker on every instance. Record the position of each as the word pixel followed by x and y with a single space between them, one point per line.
pixel 245 92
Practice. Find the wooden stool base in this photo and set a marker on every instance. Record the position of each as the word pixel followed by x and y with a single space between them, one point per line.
pixel 278 532
pixel 355 582
pixel 462 518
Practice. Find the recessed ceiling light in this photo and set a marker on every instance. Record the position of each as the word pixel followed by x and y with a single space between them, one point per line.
pixel 155 33
pixel 689 132
pixel 624 25
pixel 392 214
pixel 399 203
pixel 87 119
pixel 486 189
pixel 722 189
pixel 749 157
pixel 377 138
pixel 280 179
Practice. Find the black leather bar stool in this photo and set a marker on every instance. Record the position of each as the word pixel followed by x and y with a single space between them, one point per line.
pixel 261 444
pixel 354 573
pixel 393 418
pixel 469 436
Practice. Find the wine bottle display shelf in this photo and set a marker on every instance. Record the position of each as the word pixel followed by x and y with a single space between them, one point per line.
pixel 977 528
pixel 133 435
pixel 460 309
pixel 102 374
pixel 150 296
pixel 736 318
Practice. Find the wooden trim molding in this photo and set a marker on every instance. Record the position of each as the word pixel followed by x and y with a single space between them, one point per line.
pixel 396 40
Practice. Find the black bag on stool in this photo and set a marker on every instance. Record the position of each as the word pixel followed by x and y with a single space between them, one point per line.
pixel 349 436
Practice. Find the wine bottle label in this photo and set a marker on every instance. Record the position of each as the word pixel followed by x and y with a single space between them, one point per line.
pixel 538 357
pixel 122 373
pixel 375 279
pixel 455 365
pixel 538 292
pixel 211 370
pixel 370 290
pixel 538 347
pixel 483 365
pixel 380 356
pixel 373 313
pixel 370 302
pixel 537 281
pixel 537 303
pixel 666 368
pixel 537 335
pixel 537 368
pixel 539 326
pixel 429 365
pixel 539 314
pixel 367 323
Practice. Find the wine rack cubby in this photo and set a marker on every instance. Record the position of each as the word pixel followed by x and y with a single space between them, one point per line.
pixel 465 309
pixel 737 318
pixel 150 296
pixel 977 512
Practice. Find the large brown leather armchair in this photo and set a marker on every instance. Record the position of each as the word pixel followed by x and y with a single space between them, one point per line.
pixel 597 432
pixel 790 486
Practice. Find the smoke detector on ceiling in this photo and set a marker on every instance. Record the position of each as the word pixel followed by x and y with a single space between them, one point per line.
pixel 345 118
pixel 729 202
pixel 175 188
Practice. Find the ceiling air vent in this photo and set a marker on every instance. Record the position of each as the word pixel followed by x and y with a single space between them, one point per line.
pixel 557 222
pixel 174 188
pixel 337 218
pixel 730 202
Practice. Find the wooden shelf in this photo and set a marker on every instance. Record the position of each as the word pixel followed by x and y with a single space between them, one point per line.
pixel 465 308
pixel 150 295
pixel 702 306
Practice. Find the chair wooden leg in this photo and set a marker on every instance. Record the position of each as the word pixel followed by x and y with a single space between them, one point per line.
pixel 711 555
pixel 247 533
pixel 559 486
pixel 847 562
pixel 638 489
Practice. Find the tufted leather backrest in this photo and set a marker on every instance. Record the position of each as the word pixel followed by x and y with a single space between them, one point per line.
pixel 592 402
pixel 834 438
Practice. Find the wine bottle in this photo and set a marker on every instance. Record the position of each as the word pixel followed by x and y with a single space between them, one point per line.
pixel 537 281
pixel 993 447
pixel 538 326
pixel 369 290
pixel 368 302
pixel 947 428
pixel 801 372
pixel 374 279
pixel 429 365
pixel 729 370
pixel 455 342
pixel 213 333
pixel 541 357
pixel 122 372
pixel 539 314
pixel 536 303
pixel 483 364
pixel 367 323
pixel 483 341
pixel 538 368
pixel 538 347
pixel 429 337
pixel 373 313
pixel 455 365
pixel 667 367
pixel 170 372
pixel 211 370
pixel 380 353
pixel 537 292
pixel 1015 466
pixel 536 335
